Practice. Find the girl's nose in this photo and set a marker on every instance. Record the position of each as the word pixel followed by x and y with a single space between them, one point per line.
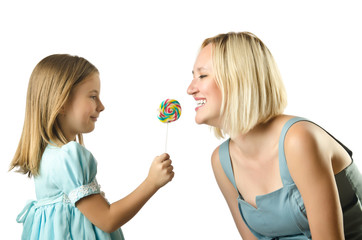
pixel 100 107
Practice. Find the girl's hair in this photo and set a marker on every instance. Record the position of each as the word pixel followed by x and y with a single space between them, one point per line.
pixel 249 80
pixel 50 85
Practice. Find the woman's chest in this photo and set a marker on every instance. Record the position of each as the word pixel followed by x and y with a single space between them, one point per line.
pixel 257 178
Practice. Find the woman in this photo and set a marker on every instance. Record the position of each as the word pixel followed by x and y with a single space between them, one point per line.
pixel 283 177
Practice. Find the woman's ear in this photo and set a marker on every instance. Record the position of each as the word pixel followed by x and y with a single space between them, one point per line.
pixel 62 110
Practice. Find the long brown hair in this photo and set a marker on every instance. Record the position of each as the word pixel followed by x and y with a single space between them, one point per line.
pixel 49 87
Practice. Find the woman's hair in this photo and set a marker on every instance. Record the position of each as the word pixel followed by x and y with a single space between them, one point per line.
pixel 249 80
pixel 50 85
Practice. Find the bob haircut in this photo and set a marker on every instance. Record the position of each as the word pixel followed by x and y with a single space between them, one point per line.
pixel 50 85
pixel 250 83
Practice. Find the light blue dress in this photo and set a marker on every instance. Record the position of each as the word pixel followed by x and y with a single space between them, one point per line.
pixel 66 175
pixel 281 214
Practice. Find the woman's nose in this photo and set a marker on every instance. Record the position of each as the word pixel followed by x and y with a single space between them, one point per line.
pixel 192 89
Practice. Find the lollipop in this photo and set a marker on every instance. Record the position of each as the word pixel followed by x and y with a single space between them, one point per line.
pixel 169 111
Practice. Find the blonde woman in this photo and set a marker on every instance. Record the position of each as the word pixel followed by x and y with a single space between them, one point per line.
pixel 63 102
pixel 283 177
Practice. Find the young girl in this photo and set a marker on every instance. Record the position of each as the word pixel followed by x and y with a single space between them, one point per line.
pixel 63 102
pixel 283 177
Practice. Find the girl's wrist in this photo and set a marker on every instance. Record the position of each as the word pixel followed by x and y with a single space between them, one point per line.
pixel 151 185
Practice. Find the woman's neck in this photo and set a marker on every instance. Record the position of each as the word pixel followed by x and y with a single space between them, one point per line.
pixel 260 139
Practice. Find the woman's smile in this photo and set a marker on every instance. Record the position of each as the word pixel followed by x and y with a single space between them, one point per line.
pixel 200 102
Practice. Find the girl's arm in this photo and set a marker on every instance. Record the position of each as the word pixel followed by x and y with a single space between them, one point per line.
pixel 230 195
pixel 309 155
pixel 110 217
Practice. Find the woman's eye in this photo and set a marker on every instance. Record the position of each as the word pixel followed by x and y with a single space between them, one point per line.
pixel 93 97
pixel 202 76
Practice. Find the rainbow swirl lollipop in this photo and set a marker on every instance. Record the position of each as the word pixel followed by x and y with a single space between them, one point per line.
pixel 170 111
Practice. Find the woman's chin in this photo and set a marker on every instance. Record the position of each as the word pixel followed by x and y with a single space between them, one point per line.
pixel 199 119
pixel 209 122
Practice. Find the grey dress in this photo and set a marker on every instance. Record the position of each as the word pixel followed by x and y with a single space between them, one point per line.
pixel 281 214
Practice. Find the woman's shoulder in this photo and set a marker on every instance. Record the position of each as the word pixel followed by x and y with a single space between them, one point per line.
pixel 297 129
pixel 215 155
pixel 217 167
pixel 220 156
pixel 221 149
pixel 306 144
pixel 302 134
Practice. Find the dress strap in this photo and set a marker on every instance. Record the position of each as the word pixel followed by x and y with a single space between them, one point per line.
pixel 283 167
pixel 284 171
pixel 225 161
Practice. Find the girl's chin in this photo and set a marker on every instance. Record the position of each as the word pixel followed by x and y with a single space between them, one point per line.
pixel 89 129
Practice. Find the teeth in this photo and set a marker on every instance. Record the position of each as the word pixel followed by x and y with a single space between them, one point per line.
pixel 201 102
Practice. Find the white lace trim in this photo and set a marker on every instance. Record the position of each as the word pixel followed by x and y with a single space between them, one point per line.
pixel 83 191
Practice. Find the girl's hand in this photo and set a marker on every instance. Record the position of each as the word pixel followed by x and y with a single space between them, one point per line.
pixel 110 217
pixel 161 171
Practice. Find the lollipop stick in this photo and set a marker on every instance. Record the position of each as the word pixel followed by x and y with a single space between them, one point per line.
pixel 166 137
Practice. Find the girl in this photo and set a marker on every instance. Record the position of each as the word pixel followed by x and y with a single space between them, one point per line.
pixel 63 102
pixel 283 177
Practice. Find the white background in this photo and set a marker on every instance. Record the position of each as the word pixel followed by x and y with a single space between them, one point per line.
pixel 145 52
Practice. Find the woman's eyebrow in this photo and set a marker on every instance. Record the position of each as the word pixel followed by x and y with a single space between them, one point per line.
pixel 199 69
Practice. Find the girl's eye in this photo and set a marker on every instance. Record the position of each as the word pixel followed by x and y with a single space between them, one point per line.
pixel 202 76
pixel 93 97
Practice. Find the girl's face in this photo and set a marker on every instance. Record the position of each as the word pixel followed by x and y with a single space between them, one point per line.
pixel 204 89
pixel 82 109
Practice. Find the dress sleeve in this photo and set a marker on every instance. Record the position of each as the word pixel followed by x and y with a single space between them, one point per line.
pixel 74 172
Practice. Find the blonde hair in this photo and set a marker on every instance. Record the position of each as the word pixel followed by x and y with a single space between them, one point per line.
pixel 49 88
pixel 249 80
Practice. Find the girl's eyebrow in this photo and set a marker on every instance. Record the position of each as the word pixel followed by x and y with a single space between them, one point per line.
pixel 94 91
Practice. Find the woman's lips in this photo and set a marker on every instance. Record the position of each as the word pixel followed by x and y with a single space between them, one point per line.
pixel 200 102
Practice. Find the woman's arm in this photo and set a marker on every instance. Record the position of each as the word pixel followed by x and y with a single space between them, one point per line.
pixel 110 217
pixel 309 161
pixel 230 195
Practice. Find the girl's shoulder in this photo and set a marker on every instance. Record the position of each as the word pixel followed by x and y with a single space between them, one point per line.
pixel 71 152
pixel 72 145
pixel 71 159
pixel 69 148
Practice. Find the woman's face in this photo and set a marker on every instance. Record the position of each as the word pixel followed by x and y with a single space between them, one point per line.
pixel 205 90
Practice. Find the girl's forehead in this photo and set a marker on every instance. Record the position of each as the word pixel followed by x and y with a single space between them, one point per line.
pixel 92 79
pixel 90 83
